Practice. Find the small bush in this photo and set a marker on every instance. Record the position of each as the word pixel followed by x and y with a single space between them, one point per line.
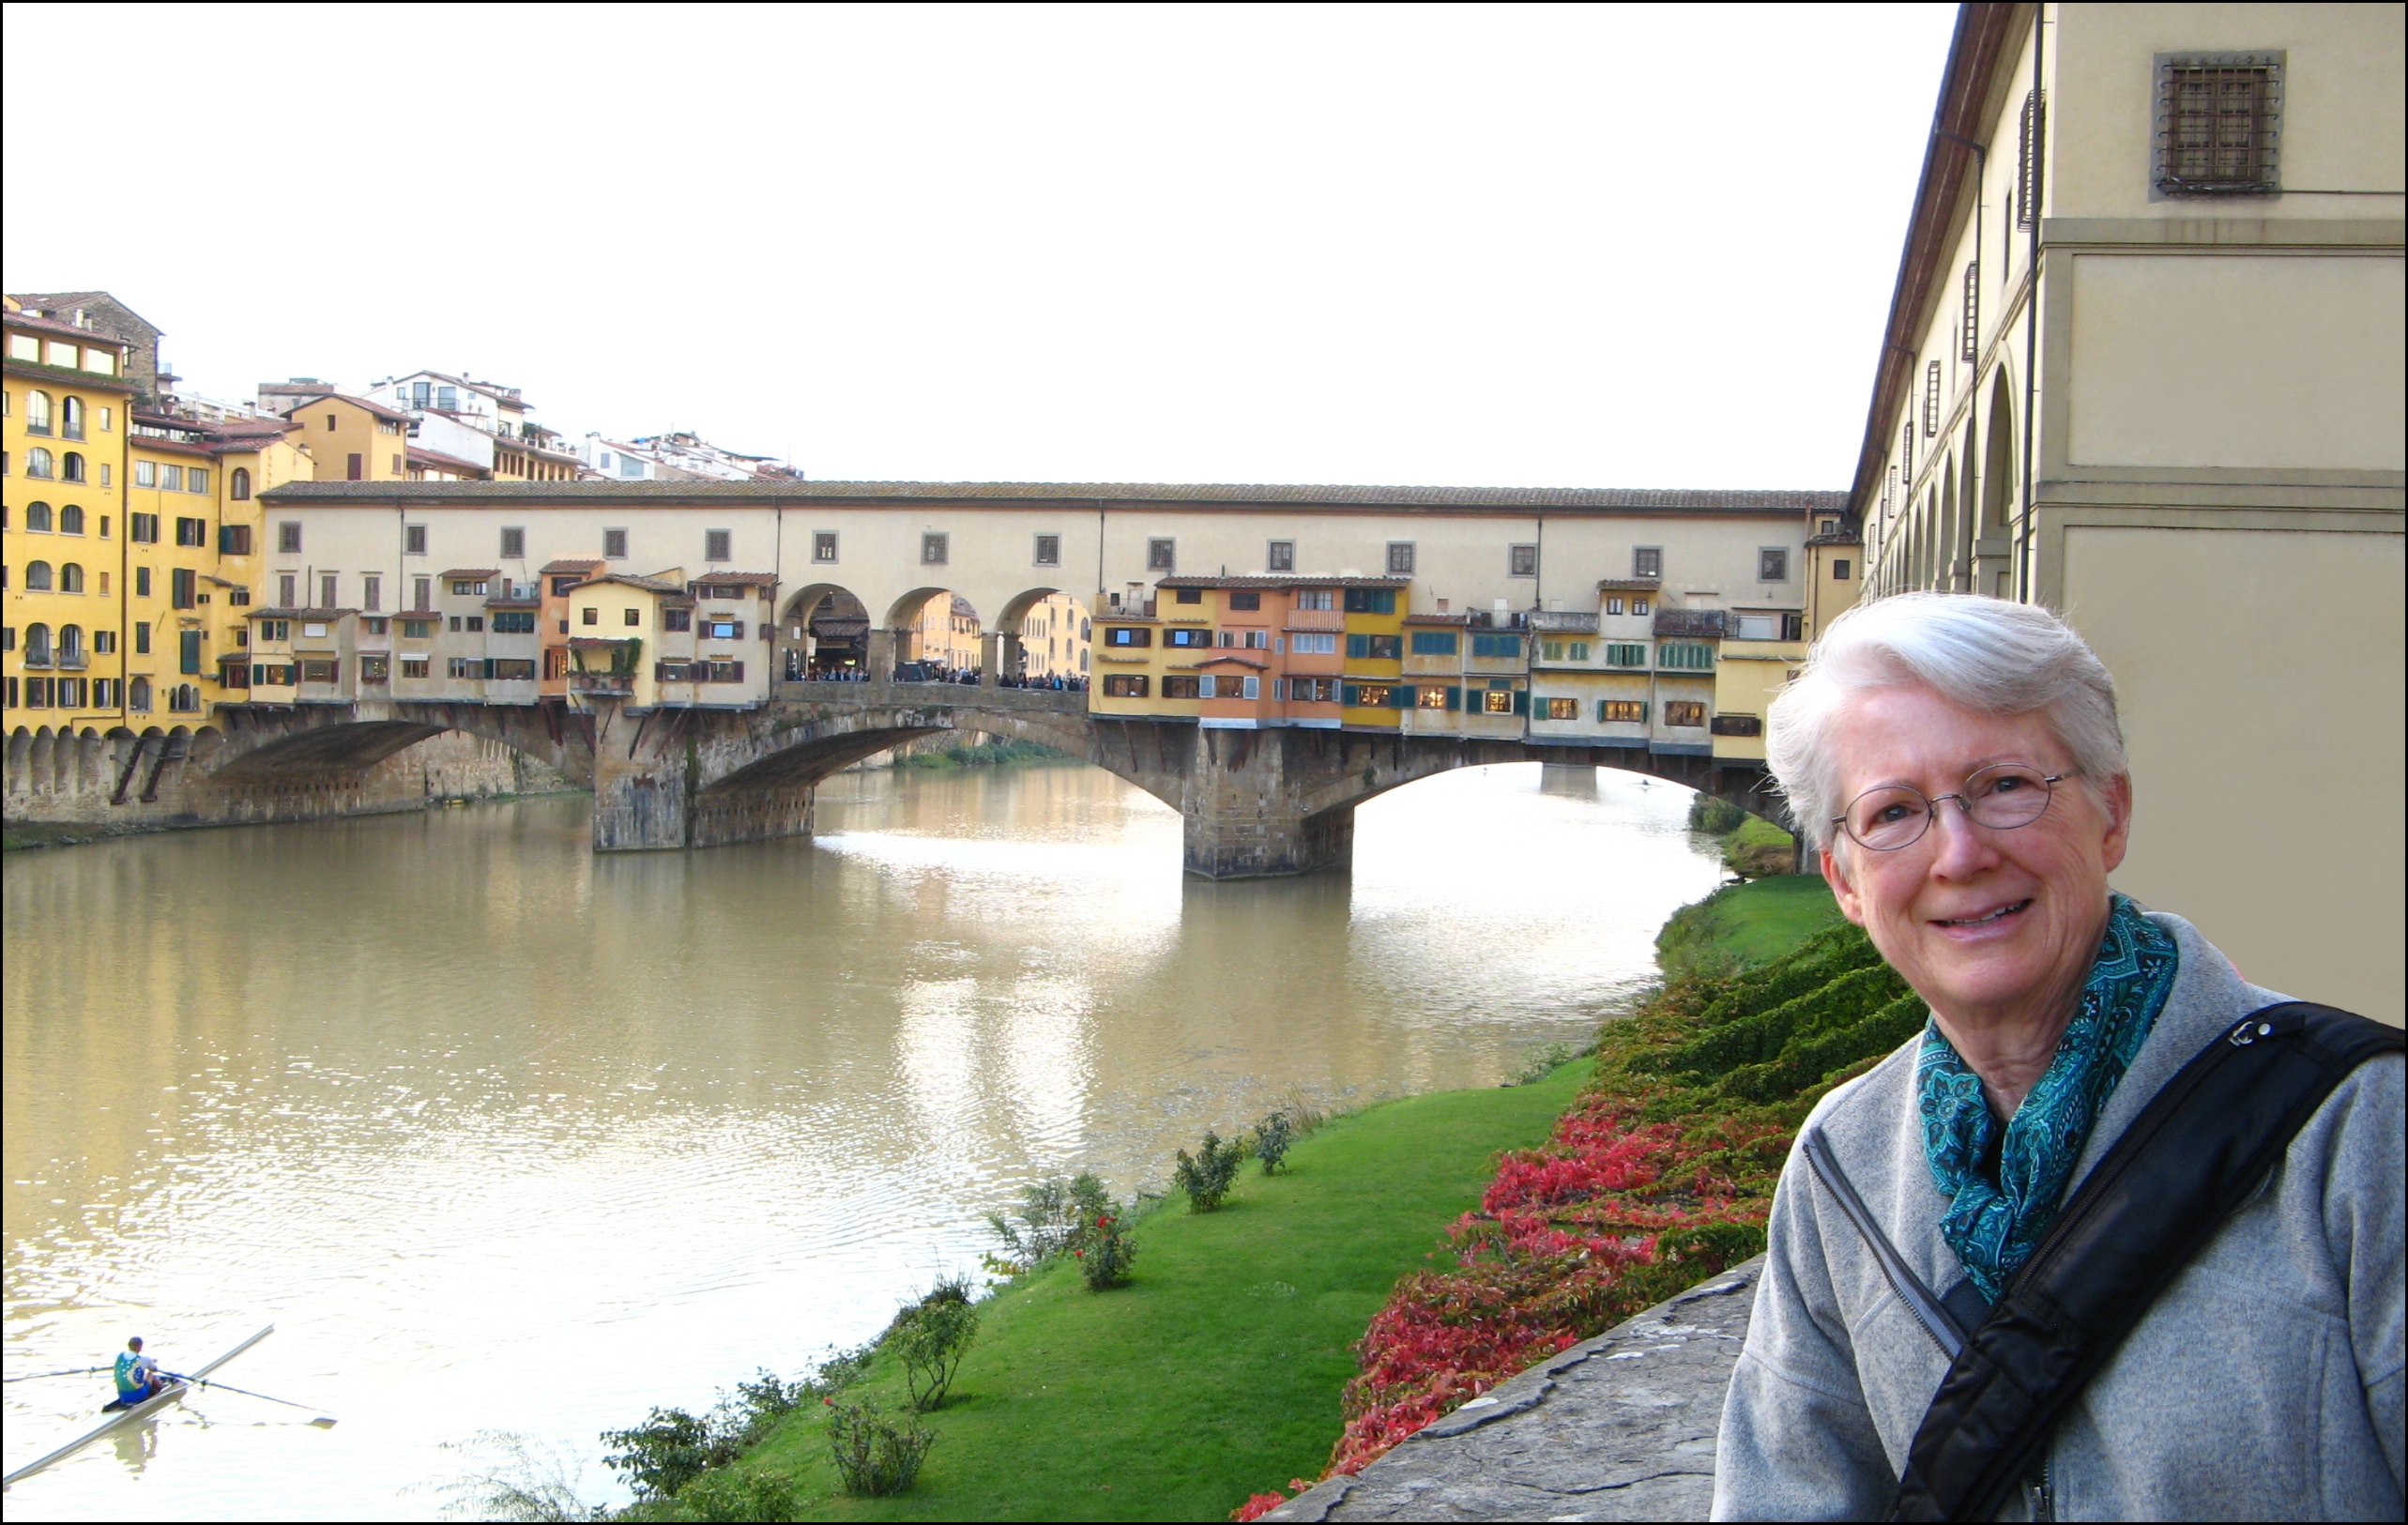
pixel 1206 1175
pixel 1104 1250
pixel 930 1338
pixel 670 1449
pixel 1714 816
pixel 1051 1216
pixel 744 1497
pixel 1272 1138
pixel 874 1457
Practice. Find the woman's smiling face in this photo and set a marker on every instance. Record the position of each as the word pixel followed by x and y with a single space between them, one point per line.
pixel 1985 924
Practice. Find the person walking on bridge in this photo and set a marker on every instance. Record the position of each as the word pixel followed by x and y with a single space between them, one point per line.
pixel 2118 1235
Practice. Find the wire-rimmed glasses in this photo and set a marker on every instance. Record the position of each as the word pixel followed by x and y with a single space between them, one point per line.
pixel 2002 797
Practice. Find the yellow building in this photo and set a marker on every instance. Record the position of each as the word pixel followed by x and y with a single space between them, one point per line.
pixel 353 439
pixel 1054 638
pixel 1372 691
pixel 1131 663
pixel 67 412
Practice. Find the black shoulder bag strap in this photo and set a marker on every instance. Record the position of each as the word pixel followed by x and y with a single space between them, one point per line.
pixel 2204 1144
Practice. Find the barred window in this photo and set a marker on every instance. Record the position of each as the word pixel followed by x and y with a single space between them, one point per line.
pixel 1521 560
pixel 1049 551
pixel 1280 557
pixel 1931 398
pixel 1162 555
pixel 717 546
pixel 2027 157
pixel 1400 559
pixel 1972 352
pixel 2219 124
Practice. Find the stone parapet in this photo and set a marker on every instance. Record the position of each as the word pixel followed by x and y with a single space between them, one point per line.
pixel 1622 1427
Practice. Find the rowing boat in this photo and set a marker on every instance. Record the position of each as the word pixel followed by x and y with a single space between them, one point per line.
pixel 147 1409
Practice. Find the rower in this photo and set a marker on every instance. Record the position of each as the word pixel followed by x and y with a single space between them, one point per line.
pixel 138 1378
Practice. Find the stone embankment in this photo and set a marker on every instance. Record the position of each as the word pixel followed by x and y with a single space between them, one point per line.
pixel 1620 1426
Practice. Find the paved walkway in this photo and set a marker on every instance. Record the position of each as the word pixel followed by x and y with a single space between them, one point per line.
pixel 1618 1427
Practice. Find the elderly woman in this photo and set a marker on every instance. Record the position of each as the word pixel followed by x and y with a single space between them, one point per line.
pixel 1959 765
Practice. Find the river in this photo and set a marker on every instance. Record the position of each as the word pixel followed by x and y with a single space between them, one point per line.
pixel 506 1136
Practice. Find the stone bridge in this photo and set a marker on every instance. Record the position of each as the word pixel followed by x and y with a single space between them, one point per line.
pixel 1254 803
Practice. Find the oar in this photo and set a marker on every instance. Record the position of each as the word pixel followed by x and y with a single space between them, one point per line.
pixel 80 1371
pixel 324 1420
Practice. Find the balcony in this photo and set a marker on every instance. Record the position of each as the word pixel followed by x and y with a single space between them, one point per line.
pixel 71 661
pixel 1315 619
pixel 603 685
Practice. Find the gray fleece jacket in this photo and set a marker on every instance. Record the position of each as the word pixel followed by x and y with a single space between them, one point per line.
pixel 2265 1384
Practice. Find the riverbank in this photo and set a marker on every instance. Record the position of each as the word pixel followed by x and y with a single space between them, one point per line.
pixel 1329 1312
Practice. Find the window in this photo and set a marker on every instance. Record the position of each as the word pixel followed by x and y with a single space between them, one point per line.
pixel 197 480
pixel 718 545
pixel 1186 636
pixel 1638 607
pixel 1245 597
pixel 615 544
pixel 1371 600
pixel 1684 712
pixel 105 642
pixel 1314 644
pixel 373 627
pixel 1625 654
pixel 630 617
pixel 413 539
pixel 1622 711
pixel 1647 561
pixel 233 540
pixel 1931 398
pixel 414 666
pixel 38 578
pixel 1773 564
pixel 590 615
pixel 1376 647
pixel 513 544
pixel 1521 560
pixel 677 619
pixel 1971 320
pixel 326 590
pixel 1504 646
pixel 1190 595
pixel 188 652
pixel 1400 559
pixel 239 484
pixel 2219 124
pixel 71 418
pixel 936 550
pixel 722 630
pixel 823 546
pixel 38 644
pixel 421 592
pixel 355 468
pixel 467 587
pixel 1497 702
pixel 1316 598
pixel 1432 696
pixel 1691 655
pixel 318 670
pixel 1562 709
pixel 511 669
pixel 1179 686
pixel 372 593
pixel 1579 650
pixel 1280 555
pixel 71 467
pixel 375 667
pixel 1125 636
pixel 1737 725
pixel 71 577
pixel 1614 606
pixel 2027 157
pixel 142 637
pixel 464 667
pixel 1435 642
pixel 70 520
pixel 1125 685
pixel 515 622
pixel 38 413
pixel 39 464
pixel 1840 568
pixel 192 532
pixel 142 528
pixel 288 539
pixel 418 630
pixel 1049 551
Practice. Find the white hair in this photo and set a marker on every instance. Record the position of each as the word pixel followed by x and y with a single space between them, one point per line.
pixel 1983 654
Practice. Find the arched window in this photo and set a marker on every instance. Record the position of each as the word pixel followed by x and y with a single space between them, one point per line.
pixel 70 520
pixel 70 645
pixel 240 484
pixel 38 413
pixel 37 642
pixel 37 461
pixel 71 577
pixel 184 699
pixel 71 418
pixel 36 577
pixel 37 517
pixel 138 695
pixel 71 467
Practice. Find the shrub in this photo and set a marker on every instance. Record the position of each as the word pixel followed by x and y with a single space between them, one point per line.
pixel 1206 1175
pixel 1714 816
pixel 1051 1215
pixel 930 1338
pixel 1104 1250
pixel 672 1448
pixel 1272 1138
pixel 744 1496
pixel 874 1457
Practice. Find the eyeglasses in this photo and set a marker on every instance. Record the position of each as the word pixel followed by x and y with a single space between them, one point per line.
pixel 2000 797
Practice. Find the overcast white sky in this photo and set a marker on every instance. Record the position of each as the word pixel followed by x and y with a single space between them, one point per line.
pixel 1618 246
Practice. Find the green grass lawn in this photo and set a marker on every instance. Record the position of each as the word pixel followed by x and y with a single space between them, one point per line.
pixel 1744 926
pixel 1217 1373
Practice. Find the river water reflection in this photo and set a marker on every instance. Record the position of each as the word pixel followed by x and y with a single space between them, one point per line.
pixel 506 1136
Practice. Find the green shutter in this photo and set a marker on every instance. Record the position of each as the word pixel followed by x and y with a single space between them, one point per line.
pixel 1349 694
pixel 1401 697
pixel 188 651
pixel 1521 701
pixel 1454 696
pixel 1645 706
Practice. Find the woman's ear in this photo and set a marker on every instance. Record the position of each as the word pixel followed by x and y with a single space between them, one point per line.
pixel 1851 904
pixel 2116 800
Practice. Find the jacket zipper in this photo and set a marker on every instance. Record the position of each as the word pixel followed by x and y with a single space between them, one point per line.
pixel 2040 1494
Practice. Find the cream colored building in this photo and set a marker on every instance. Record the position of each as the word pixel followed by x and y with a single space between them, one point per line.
pixel 2144 366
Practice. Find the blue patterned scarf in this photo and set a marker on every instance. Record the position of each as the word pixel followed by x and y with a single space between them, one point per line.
pixel 1995 1222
